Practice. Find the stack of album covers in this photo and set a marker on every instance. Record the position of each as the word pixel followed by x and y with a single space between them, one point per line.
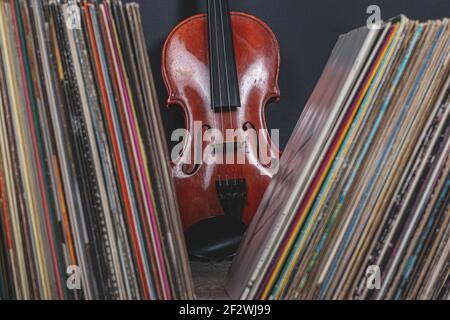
pixel 360 208
pixel 87 206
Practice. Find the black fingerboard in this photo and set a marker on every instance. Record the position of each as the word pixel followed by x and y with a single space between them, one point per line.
pixel 224 80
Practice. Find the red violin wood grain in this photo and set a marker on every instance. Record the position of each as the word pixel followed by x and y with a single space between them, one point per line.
pixel 186 72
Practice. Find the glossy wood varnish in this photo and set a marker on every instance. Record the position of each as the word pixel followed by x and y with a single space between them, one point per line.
pixel 187 77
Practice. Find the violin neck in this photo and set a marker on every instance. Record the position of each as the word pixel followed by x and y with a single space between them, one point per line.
pixel 224 80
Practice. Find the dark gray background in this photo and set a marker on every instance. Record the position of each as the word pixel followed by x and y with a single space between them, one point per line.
pixel 306 31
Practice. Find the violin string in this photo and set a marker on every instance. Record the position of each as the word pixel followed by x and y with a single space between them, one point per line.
pixel 219 73
pixel 227 76
pixel 210 25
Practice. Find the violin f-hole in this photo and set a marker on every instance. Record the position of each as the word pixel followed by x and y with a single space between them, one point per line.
pixel 194 165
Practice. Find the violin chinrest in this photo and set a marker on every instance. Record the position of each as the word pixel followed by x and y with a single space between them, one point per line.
pixel 215 239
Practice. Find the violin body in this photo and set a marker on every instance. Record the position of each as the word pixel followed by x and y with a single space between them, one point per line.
pixel 187 75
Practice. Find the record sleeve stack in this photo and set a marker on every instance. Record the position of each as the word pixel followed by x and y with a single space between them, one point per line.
pixel 360 208
pixel 87 207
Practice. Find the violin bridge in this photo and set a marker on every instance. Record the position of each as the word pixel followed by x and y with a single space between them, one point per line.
pixel 233 197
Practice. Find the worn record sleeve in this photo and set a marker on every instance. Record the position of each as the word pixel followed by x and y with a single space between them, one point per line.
pixel 285 192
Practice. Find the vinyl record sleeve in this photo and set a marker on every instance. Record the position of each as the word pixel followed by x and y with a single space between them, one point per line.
pixel 283 194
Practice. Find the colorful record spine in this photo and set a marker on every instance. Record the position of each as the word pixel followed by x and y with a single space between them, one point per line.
pixel 87 204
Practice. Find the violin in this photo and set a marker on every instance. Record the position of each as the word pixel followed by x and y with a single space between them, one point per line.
pixel 222 69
